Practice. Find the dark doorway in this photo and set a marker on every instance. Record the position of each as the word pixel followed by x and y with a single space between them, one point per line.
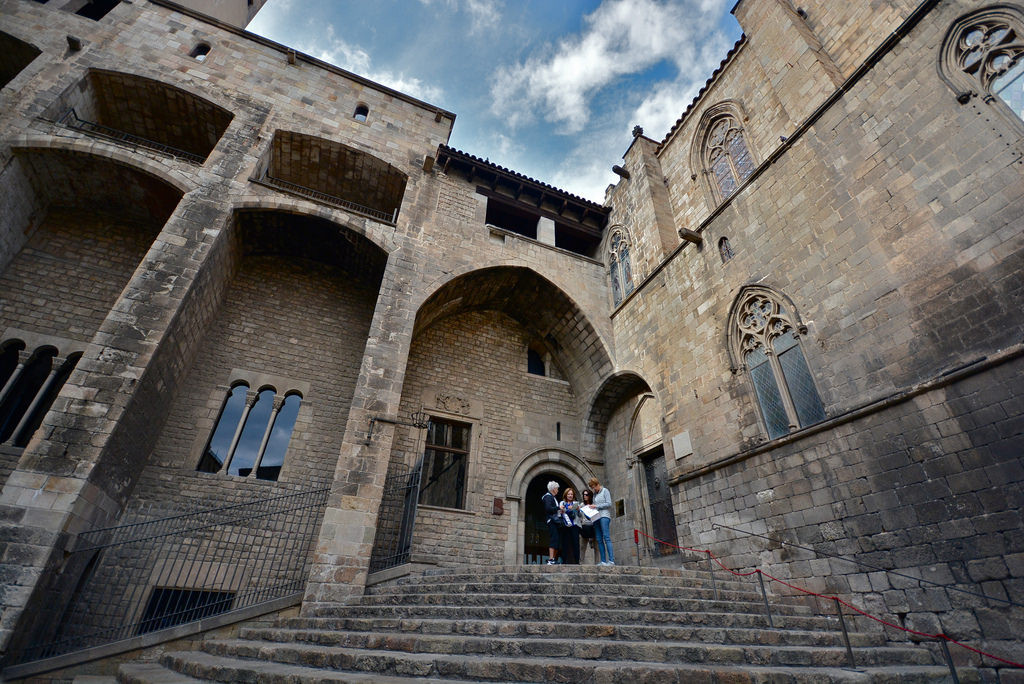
pixel 663 520
pixel 535 539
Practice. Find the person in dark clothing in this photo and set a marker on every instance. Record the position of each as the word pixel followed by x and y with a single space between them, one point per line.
pixel 553 519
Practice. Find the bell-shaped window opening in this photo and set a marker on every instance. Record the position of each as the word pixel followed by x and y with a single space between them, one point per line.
pixel 24 391
pixel 218 449
pixel 199 52
pixel 45 401
pixel 248 449
pixel 9 360
pixel 281 434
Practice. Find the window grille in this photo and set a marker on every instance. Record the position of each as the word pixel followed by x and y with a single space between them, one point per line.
pixel 444 464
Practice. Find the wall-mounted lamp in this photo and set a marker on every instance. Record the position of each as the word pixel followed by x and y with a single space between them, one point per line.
pixel 419 420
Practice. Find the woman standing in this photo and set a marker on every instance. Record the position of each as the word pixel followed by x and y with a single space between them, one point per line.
pixel 587 535
pixel 554 521
pixel 602 523
pixel 571 532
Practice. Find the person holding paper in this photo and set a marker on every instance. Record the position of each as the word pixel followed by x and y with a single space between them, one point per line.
pixel 587 536
pixel 602 524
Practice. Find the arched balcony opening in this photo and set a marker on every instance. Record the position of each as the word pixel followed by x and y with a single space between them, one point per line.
pixel 15 55
pixel 142 113
pixel 334 174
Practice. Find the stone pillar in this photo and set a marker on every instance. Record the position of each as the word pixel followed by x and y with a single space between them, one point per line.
pixel 546 231
pixel 342 555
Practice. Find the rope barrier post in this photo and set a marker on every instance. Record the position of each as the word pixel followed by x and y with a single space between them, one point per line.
pixel 764 595
pixel 711 569
pixel 636 540
pixel 846 635
pixel 949 659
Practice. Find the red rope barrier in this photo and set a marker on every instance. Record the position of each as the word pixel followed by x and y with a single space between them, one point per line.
pixel 942 637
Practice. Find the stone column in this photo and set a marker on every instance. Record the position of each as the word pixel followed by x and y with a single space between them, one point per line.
pixel 342 555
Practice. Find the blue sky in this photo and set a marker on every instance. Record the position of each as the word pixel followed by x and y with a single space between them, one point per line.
pixel 550 88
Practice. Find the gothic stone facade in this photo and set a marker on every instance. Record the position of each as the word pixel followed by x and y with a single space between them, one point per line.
pixel 798 315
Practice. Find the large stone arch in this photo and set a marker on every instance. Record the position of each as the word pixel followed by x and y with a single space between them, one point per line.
pixel 552 459
pixel 615 389
pixel 533 300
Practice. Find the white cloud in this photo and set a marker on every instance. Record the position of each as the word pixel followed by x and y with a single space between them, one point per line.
pixel 325 45
pixel 483 14
pixel 620 38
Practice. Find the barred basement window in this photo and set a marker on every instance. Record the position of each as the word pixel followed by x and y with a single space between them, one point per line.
pixel 170 607
pixel 443 480
pixel 983 55
pixel 765 339
pixel 252 433
pixel 619 265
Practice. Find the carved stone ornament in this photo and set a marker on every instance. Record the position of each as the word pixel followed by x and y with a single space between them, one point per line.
pixel 452 403
pixel 760 320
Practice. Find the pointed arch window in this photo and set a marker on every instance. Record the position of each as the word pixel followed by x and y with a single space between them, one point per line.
pixel 726 156
pixel 725 250
pixel 983 55
pixel 620 265
pixel 252 433
pixel 767 344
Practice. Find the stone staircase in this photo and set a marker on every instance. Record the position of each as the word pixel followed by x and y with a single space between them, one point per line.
pixel 555 624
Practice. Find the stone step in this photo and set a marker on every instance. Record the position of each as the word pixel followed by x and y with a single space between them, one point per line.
pixel 586 615
pixel 677 652
pixel 562 630
pixel 151 673
pixel 588 588
pixel 318 664
pixel 208 667
pixel 577 600
pixel 568 574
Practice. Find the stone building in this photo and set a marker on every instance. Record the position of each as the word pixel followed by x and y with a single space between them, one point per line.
pixel 233 273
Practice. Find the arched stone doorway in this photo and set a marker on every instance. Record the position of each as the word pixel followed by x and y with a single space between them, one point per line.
pixel 525 489
pixel 535 536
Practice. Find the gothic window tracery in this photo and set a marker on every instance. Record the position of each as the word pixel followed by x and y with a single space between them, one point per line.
pixel 984 55
pixel 726 156
pixel 620 265
pixel 767 341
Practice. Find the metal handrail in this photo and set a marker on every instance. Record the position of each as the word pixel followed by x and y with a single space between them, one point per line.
pixel 295 188
pixel 862 564
pixel 942 639
pixel 72 120
pixel 149 575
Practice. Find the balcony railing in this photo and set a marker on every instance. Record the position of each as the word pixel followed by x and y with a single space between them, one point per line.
pixel 310 193
pixel 72 120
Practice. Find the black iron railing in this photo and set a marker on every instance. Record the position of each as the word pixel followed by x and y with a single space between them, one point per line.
pixel 392 544
pixel 303 191
pixel 71 120
pixel 154 574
